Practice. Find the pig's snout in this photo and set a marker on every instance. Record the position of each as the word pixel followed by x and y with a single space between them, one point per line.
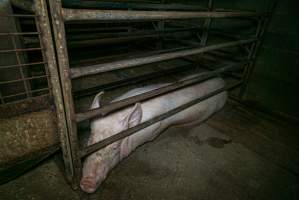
pixel 88 184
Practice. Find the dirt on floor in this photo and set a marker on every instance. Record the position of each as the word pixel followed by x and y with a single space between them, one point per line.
pixel 237 154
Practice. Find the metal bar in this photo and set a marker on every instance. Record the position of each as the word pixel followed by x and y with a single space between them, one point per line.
pixel 19 50
pixel 260 32
pixel 23 79
pixel 126 33
pixel 44 26
pixel 23 100
pixel 24 93
pixel 132 80
pixel 44 56
pixel 99 145
pixel 94 69
pixel 97 29
pixel 130 5
pixel 113 15
pixel 18 15
pixel 65 80
pixel 125 37
pixel 100 112
pixel 24 33
pixel 23 65
pixel 207 25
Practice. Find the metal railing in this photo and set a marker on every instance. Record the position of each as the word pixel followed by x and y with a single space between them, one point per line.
pixel 70 145
pixel 18 70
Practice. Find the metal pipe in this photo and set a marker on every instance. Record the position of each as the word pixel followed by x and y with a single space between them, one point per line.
pixel 114 15
pixel 122 64
pixel 19 15
pixel 23 79
pixel 43 23
pixel 63 62
pixel 260 33
pixel 100 112
pixel 99 145
pixel 22 65
pixel 19 50
pixel 24 93
pixel 129 5
pixel 132 80
pixel 23 33
pixel 85 40
pixel 206 25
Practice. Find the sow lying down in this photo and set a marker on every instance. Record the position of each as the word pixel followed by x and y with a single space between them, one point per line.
pixel 97 165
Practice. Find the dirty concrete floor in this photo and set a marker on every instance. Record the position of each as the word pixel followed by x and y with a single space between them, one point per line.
pixel 237 154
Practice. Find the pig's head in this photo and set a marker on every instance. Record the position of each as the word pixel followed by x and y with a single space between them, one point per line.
pixel 97 165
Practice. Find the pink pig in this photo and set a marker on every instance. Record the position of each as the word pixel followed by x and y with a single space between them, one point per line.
pixel 97 165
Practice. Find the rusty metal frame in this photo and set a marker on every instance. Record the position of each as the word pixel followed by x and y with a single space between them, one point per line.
pixel 61 15
pixel 122 64
pixel 43 25
pixel 65 80
pixel 27 93
pixel 103 111
pixel 118 15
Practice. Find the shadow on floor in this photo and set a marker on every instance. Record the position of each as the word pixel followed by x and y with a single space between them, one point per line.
pixel 237 154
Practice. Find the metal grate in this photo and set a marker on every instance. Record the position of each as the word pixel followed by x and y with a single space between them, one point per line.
pixel 23 69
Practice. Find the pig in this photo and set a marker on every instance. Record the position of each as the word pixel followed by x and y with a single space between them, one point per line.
pixel 97 165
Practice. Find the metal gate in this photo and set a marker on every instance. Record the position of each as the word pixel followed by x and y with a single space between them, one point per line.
pixel 73 153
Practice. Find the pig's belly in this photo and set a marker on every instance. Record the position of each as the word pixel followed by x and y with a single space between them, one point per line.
pixel 198 112
pixel 192 115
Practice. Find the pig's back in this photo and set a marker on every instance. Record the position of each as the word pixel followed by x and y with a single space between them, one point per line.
pixel 163 103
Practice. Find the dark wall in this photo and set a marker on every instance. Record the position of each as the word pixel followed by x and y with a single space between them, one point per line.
pixel 275 81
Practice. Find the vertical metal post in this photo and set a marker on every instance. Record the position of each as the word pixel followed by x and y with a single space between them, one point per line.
pixel 65 78
pixel 44 28
pixel 260 31
pixel 251 56
pixel 40 39
pixel 206 26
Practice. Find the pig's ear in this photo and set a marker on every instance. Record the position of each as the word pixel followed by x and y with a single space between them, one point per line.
pixel 96 103
pixel 133 118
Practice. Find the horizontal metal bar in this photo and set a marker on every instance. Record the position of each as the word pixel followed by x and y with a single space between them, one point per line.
pixel 117 35
pixel 130 5
pixel 24 93
pixel 100 112
pixel 22 33
pixel 22 65
pixel 132 80
pixel 112 15
pixel 18 15
pixel 95 147
pixel 132 62
pixel 23 79
pixel 97 29
pixel 20 50
pixel 123 37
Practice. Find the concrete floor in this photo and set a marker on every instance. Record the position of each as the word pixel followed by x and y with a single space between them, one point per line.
pixel 237 154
